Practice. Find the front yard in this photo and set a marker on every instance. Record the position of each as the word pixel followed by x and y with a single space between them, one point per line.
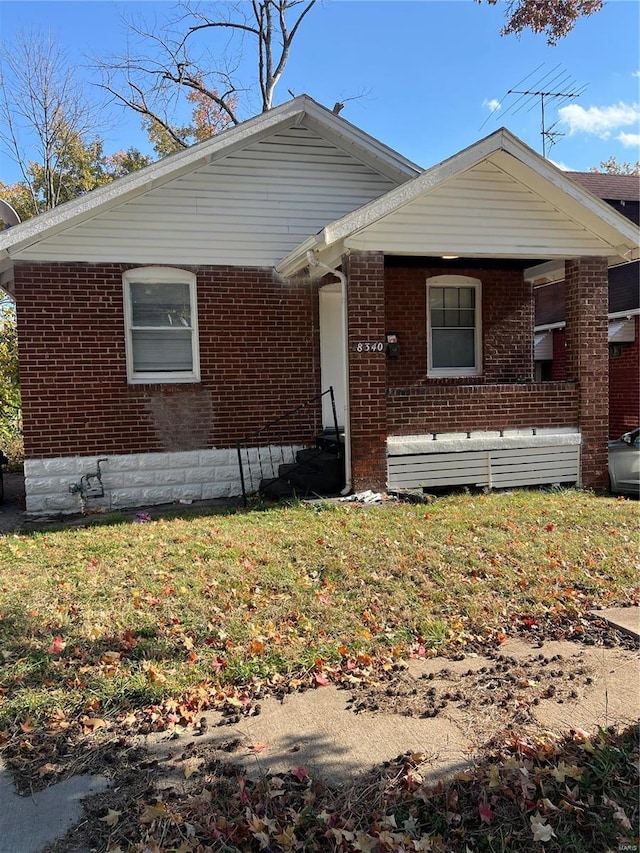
pixel 119 629
pixel 114 618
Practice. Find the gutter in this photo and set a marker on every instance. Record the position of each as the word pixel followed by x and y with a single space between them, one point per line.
pixel 314 262
pixel 615 315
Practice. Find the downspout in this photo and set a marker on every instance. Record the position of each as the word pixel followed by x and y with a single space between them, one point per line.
pixel 314 262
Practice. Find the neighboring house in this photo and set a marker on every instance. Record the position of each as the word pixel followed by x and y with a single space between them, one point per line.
pixel 622 192
pixel 184 307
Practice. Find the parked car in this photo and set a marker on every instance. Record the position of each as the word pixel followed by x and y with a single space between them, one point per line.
pixel 624 464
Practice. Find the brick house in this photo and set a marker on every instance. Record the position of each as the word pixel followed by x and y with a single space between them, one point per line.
pixel 183 308
pixel 622 192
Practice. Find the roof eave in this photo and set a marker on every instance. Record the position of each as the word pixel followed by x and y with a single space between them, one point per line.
pixel 72 213
pixel 296 260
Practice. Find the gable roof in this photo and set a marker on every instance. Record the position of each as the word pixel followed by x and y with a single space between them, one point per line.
pixel 293 113
pixel 609 187
pixel 438 213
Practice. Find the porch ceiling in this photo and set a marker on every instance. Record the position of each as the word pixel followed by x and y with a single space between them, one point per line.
pixel 497 199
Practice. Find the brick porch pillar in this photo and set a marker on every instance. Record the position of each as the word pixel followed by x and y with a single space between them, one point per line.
pixel 367 370
pixel 586 304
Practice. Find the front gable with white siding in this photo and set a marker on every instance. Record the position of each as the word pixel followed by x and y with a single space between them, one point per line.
pixel 245 197
pixel 496 199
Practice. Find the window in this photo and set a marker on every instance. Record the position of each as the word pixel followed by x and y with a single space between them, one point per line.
pixel 453 320
pixel 161 320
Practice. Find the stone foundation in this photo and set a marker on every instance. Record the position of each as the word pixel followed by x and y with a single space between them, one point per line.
pixel 55 486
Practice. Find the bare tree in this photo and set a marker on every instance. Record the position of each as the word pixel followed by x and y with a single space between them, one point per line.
pixel 47 121
pixel 199 53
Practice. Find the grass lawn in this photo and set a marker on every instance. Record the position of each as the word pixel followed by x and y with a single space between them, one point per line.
pixel 138 626
pixel 112 618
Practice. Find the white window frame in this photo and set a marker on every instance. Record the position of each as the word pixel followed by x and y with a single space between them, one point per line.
pixel 456 281
pixel 160 275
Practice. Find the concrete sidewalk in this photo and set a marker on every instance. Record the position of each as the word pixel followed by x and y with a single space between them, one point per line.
pixel 319 730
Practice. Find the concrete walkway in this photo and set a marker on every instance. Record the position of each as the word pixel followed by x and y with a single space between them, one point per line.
pixel 319 730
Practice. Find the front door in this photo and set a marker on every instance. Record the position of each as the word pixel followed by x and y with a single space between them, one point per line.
pixel 332 353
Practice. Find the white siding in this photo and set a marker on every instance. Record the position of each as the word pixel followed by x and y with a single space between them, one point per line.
pixel 249 208
pixel 481 212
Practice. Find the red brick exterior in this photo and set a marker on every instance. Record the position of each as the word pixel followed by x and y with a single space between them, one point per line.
pixel 624 387
pixel 258 355
pixel 393 299
pixel 481 407
pixel 624 380
pixel 507 324
pixel 586 301
pixel 559 364
pixel 367 370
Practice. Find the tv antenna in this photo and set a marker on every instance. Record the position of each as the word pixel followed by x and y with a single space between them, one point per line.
pixel 554 84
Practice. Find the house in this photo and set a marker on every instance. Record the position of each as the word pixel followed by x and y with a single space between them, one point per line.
pixel 622 192
pixel 194 311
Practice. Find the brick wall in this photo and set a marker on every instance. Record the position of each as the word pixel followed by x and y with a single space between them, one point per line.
pixel 435 408
pixel 367 370
pixel 586 301
pixel 507 323
pixel 504 397
pixel 559 366
pixel 258 352
pixel 624 387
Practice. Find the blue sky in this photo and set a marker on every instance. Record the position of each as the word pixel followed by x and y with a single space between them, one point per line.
pixel 424 76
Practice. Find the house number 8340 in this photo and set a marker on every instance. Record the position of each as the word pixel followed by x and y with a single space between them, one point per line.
pixel 369 346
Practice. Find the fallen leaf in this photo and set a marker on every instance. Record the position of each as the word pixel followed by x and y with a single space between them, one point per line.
pixel 191 766
pixel 256 748
pixel 618 813
pixel 287 837
pixel 494 776
pixel 57 646
pixel 90 724
pixel 365 843
pixel 541 830
pixel 300 773
pixel 322 679
pixel 111 818
pixel 152 812
pixel 486 812
pixel 47 768
pixel 563 770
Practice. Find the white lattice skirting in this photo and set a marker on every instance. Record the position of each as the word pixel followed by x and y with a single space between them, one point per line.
pixel 485 459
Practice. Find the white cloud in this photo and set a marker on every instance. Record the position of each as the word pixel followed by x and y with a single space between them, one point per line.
pixel 600 121
pixel 562 166
pixel 492 105
pixel 630 140
pixel 636 74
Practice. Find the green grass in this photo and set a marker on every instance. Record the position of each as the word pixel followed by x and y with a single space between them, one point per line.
pixel 115 617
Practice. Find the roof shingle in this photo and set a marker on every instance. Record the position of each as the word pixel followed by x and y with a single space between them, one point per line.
pixel 609 187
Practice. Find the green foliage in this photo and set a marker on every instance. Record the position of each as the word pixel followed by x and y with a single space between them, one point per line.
pixel 10 404
pixel 80 167
pixel 207 119
pixel 19 197
pixel 124 162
